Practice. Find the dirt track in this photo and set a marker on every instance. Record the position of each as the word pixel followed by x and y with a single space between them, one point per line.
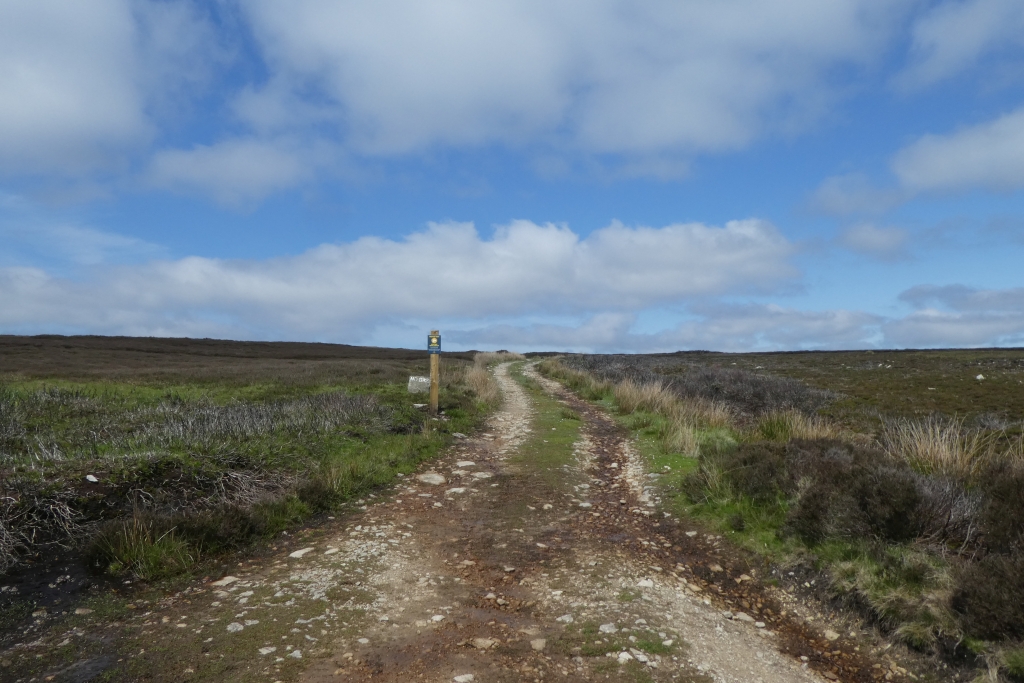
pixel 517 576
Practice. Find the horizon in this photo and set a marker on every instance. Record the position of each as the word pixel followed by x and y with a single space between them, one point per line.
pixel 734 177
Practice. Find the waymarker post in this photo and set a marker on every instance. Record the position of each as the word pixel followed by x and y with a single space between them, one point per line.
pixel 434 349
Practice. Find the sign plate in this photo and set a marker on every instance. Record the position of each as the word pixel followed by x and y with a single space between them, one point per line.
pixel 433 343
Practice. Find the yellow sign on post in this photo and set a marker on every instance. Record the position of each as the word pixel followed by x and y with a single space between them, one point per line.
pixel 434 349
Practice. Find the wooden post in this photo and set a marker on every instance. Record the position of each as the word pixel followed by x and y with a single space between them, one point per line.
pixel 434 349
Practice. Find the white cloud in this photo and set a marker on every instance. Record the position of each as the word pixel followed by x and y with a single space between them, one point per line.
pixel 68 85
pixel 854 193
pixel 883 243
pixel 718 327
pixel 239 171
pixel 954 35
pixel 987 156
pixel 345 291
pixel 956 315
pixel 597 77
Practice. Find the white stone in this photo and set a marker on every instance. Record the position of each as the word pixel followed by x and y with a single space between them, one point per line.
pixel 295 654
pixel 538 644
pixel 742 616
pixel 432 478
pixel 465 463
pixel 226 581
pixel 585 504
pixel 234 627
pixel 299 553
pixel 363 641
pixel 624 657
pixel 565 619
pixel 980 377
pixel 607 628
pixel 458 489
pixel 437 617
pixel 267 650
pixel 645 583
pixel 91 478
pixel 482 475
pixel 464 678
pixel 419 385
pixel 831 635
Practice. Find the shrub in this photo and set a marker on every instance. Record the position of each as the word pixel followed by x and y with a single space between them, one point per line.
pixel 988 597
pixel 1002 514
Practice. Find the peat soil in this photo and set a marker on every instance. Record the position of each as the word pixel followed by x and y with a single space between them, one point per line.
pixel 488 565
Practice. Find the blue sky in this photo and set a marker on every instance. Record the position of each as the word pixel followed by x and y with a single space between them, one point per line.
pixel 595 176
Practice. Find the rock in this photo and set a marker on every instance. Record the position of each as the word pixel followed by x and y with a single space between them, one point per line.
pixel 538 644
pixel 716 568
pixel 459 489
pixel 509 570
pixel 458 435
pixel 267 650
pixel 759 624
pixel 743 616
pixel 91 478
pixel 667 643
pixel 482 475
pixel 418 385
pixel 83 610
pixel 608 628
pixel 484 643
pixel 565 619
pixel 831 635
pixel 465 463
pixel 299 553
pixel 234 627
pixel 437 618
pixel 727 614
pixel 980 377
pixel 490 596
pixel 363 641
pixel 226 581
pixel 432 478
pixel 624 657
pixel 330 551
pixel 691 534
pixel 645 583
pixel 547 506
pixel 295 654
pixel 464 678
pixel 585 504
pixel 251 622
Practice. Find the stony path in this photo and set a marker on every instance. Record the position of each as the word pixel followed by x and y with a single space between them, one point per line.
pixel 499 577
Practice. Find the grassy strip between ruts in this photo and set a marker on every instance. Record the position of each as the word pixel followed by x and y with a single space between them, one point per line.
pixel 797 490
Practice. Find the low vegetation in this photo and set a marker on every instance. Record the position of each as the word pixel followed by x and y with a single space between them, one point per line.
pixel 916 519
pixel 151 474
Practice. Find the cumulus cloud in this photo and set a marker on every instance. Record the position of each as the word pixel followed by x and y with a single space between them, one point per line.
pixel 79 81
pixel 952 36
pixel 888 244
pixel 240 171
pixel 721 327
pixel 601 77
pixel 956 315
pixel 986 156
pixel 344 291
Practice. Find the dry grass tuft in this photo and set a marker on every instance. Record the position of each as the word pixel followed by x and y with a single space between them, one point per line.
pixel 783 425
pixel 632 396
pixel 481 381
pixel 945 447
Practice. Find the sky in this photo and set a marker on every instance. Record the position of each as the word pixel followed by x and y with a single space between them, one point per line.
pixel 599 176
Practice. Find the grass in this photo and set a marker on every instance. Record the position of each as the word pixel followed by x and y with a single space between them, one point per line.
pixel 154 470
pixel 917 522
